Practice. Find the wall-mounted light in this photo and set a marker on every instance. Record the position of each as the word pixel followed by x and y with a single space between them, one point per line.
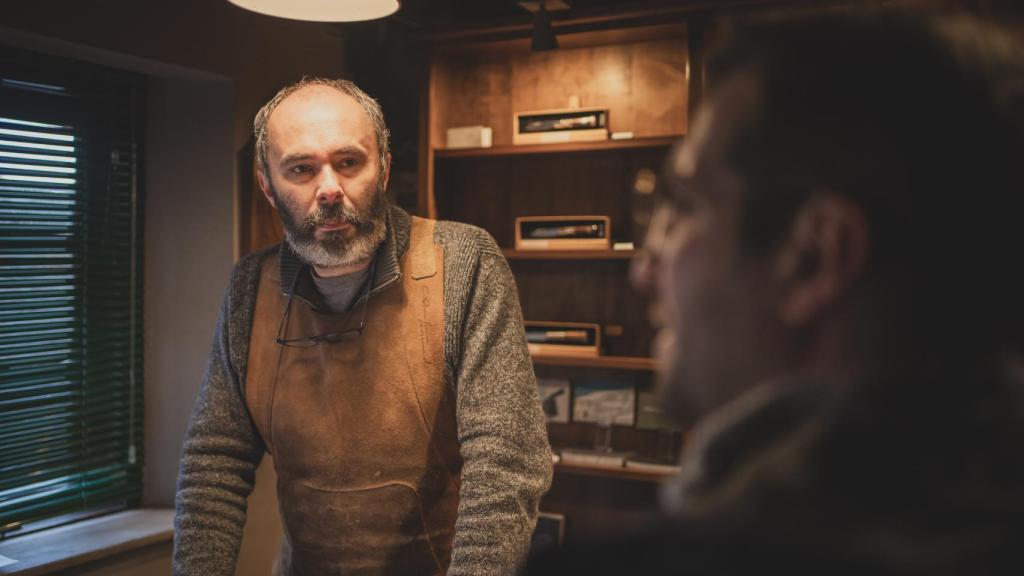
pixel 322 10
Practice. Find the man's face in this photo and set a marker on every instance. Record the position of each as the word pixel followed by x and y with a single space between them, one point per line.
pixel 719 336
pixel 325 178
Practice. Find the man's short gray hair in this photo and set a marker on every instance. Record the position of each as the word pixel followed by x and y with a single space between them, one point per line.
pixel 371 106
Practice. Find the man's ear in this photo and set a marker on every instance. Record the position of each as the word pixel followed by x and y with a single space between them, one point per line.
pixel 822 256
pixel 261 177
pixel 387 169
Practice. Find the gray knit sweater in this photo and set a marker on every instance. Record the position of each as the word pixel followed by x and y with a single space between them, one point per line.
pixel 507 463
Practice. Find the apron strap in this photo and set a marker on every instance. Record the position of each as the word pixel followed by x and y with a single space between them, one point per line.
pixel 421 242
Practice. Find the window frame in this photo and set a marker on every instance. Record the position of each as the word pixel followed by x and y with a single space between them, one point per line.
pixel 92 94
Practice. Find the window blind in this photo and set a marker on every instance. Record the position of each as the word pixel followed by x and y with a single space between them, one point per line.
pixel 71 400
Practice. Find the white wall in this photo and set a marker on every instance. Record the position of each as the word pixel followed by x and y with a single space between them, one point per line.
pixel 188 215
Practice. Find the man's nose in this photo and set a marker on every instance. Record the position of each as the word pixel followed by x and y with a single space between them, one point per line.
pixel 328 189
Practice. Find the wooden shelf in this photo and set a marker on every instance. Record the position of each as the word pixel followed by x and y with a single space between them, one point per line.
pixel 513 254
pixel 651 142
pixel 616 362
pixel 617 473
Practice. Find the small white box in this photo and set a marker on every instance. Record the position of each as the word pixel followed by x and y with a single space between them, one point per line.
pixel 469 137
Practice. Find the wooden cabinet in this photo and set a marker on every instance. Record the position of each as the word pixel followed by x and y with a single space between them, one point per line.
pixel 641 76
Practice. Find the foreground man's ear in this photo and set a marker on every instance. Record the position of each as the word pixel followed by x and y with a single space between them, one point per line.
pixel 264 187
pixel 822 256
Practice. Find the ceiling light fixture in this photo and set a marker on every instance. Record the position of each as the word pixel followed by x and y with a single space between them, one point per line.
pixel 322 10
pixel 543 35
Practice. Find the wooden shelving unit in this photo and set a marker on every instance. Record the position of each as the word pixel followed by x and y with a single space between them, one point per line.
pixel 617 473
pixel 608 362
pixel 650 142
pixel 513 254
pixel 641 74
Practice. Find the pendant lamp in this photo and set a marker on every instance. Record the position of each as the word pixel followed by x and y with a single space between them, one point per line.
pixel 322 10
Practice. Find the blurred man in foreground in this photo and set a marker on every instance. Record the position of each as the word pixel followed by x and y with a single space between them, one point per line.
pixel 836 251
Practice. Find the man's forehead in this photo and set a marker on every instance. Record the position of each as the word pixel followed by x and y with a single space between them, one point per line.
pixel 313 93
pixel 319 106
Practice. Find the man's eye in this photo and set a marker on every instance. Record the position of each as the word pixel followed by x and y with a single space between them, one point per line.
pixel 348 163
pixel 300 169
pixel 683 204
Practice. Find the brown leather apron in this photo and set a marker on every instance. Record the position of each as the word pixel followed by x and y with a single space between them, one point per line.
pixel 363 432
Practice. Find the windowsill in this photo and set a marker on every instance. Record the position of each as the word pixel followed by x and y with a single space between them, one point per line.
pixel 86 541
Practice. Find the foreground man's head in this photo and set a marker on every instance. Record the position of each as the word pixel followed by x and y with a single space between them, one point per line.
pixel 322 153
pixel 835 252
pixel 843 208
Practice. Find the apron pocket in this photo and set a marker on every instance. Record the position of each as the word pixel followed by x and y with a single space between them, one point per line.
pixel 376 529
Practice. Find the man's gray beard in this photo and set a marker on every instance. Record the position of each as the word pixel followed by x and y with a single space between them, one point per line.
pixel 334 250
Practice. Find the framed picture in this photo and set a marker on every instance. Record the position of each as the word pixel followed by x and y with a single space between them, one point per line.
pixel 604 402
pixel 549 533
pixel 650 413
pixel 555 399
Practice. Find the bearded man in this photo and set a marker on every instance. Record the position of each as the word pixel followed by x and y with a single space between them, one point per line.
pixel 380 358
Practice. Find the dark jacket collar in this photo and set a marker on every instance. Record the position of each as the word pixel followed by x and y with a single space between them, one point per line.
pixel 769 425
pixel 295 272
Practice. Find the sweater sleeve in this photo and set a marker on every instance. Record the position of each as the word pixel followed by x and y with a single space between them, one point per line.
pixel 221 451
pixel 506 457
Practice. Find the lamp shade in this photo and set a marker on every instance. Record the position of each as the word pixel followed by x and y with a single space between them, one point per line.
pixel 322 10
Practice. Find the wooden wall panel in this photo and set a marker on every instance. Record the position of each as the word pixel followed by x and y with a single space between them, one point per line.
pixel 259 224
pixel 439 82
pixel 473 90
pixel 599 77
pixel 586 291
pixel 264 225
pixel 659 81
pixel 266 228
pixel 491 192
